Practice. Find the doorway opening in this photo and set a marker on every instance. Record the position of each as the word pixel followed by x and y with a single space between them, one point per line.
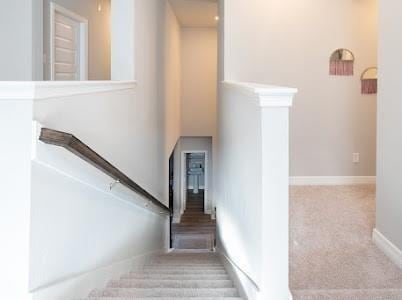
pixel 195 228
pixel 194 178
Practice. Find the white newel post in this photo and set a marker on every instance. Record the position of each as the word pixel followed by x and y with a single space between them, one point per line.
pixel 275 194
pixel 16 104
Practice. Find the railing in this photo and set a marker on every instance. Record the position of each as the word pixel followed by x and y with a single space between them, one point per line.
pixel 80 149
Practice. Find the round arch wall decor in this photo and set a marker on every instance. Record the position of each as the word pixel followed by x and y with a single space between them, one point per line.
pixel 341 63
pixel 369 81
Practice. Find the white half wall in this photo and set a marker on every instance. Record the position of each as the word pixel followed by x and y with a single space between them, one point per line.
pixel 253 202
pixel 82 233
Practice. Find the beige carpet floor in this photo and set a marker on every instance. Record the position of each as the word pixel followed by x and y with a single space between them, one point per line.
pixel 332 255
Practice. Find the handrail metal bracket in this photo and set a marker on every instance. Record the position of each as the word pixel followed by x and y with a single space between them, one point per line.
pixel 113 184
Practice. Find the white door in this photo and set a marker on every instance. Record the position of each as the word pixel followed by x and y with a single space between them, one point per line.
pixel 69 45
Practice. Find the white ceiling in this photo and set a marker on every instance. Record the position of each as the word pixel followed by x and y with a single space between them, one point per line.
pixel 195 13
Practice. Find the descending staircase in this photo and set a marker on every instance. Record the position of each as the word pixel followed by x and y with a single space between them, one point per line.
pixel 196 230
pixel 178 275
pixel 183 274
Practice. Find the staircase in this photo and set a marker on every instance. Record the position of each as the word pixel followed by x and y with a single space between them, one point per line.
pixel 196 230
pixel 178 275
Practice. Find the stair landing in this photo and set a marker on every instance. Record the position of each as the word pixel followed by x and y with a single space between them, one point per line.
pixel 196 229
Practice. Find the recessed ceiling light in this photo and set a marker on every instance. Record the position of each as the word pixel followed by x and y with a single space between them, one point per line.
pixel 216 18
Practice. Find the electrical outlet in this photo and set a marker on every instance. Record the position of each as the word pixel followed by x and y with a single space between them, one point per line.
pixel 356 158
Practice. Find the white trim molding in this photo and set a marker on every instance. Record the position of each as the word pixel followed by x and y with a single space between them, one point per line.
pixel 40 90
pixel 386 246
pixel 331 180
pixel 266 95
pixel 247 287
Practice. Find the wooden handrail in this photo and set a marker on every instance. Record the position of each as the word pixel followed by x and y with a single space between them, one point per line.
pixel 77 147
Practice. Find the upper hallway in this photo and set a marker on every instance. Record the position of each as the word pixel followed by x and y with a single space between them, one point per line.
pixel 59 205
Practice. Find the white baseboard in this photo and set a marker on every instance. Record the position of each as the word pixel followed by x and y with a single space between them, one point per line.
pixel 246 287
pixel 79 286
pixel 331 180
pixel 176 219
pixel 290 295
pixel 387 247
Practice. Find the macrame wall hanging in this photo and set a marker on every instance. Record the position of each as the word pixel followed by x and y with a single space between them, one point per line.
pixel 369 81
pixel 341 63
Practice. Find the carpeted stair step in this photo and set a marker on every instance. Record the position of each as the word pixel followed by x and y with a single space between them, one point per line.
pixel 174 276
pixel 181 277
pixel 178 271
pixel 165 292
pixel 149 283
pixel 164 298
pixel 199 268
pixel 187 264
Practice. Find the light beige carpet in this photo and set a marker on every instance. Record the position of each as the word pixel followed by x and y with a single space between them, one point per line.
pixel 332 255
pixel 181 275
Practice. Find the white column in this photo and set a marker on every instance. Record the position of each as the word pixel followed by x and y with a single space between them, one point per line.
pixel 253 199
pixel 275 197
pixel 15 184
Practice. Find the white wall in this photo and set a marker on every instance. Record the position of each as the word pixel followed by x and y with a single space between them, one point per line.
pixel 16 52
pixel 275 42
pixel 15 182
pixel 389 190
pixel 81 233
pixel 238 205
pixel 171 84
pixel 122 40
pixel 69 217
pixel 99 52
pixel 127 127
pixel 79 226
pixel 199 81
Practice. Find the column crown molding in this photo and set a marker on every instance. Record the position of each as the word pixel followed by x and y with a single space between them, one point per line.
pixel 267 95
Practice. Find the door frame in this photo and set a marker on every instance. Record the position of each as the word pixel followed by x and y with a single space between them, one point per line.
pixel 83 55
pixel 183 180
